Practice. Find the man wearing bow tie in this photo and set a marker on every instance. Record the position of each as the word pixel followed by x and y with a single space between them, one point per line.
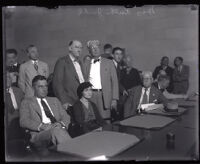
pixel 101 73
pixel 68 74
pixel 144 94
pixel 12 65
pixel 30 69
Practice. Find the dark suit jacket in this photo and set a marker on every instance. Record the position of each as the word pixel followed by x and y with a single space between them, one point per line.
pixel 11 113
pixel 130 80
pixel 181 80
pixel 79 116
pixel 65 80
pixel 109 81
pixel 14 69
pixel 130 107
pixel 31 116
pixel 169 70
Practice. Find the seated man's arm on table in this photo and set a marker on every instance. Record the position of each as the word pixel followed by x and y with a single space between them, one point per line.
pixel 162 99
pixel 174 96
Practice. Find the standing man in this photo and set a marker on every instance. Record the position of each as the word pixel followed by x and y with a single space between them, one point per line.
pixel 107 51
pixel 117 60
pixel 101 73
pixel 12 66
pixel 164 68
pixel 30 69
pixel 44 117
pixel 68 74
pixel 180 76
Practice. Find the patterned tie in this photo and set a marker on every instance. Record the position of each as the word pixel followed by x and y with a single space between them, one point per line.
pixel 35 65
pixel 48 112
pixel 145 100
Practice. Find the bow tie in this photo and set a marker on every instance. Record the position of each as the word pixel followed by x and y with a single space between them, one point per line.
pixel 96 60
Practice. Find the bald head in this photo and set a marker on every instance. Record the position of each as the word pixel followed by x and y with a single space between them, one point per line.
pixel 147 79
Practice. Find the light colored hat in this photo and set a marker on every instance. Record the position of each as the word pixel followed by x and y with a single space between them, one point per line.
pixel 93 43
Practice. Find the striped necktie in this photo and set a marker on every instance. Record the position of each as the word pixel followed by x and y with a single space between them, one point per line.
pixel 35 65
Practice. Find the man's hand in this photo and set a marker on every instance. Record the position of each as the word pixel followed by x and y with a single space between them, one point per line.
pixel 114 104
pixel 56 124
pixel 66 105
pixel 45 127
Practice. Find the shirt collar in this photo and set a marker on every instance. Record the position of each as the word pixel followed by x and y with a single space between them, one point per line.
pixel 115 63
pixel 97 58
pixel 148 90
pixel 39 99
pixel 33 61
pixel 72 58
pixel 15 64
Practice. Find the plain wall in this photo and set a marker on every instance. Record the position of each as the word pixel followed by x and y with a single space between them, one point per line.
pixel 147 33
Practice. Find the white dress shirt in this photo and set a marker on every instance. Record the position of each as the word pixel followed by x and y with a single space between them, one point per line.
pixel 77 68
pixel 141 98
pixel 95 75
pixel 115 63
pixel 45 119
pixel 13 99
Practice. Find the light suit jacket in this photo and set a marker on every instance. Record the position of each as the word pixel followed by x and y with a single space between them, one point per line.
pixel 31 116
pixel 109 80
pixel 26 74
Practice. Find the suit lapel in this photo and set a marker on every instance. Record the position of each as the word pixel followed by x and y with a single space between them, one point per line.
pixel 37 107
pixel 138 95
pixel 88 67
pixel 72 68
pixel 152 95
pixel 53 107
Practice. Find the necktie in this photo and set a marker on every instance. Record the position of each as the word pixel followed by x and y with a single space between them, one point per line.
pixel 35 65
pixel 145 100
pixel 96 60
pixel 162 90
pixel 48 112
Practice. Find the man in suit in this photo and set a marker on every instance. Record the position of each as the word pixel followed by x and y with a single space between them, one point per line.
pixel 12 65
pixel 143 95
pixel 163 83
pixel 30 69
pixel 101 73
pixel 44 117
pixel 13 98
pixel 117 59
pixel 68 74
pixel 130 76
pixel 107 51
pixel 180 76
pixel 164 67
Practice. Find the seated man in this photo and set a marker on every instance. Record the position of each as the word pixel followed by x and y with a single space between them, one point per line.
pixel 13 98
pixel 163 83
pixel 143 95
pixel 44 117
pixel 86 113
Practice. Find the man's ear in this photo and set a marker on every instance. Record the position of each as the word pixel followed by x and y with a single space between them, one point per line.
pixel 70 48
